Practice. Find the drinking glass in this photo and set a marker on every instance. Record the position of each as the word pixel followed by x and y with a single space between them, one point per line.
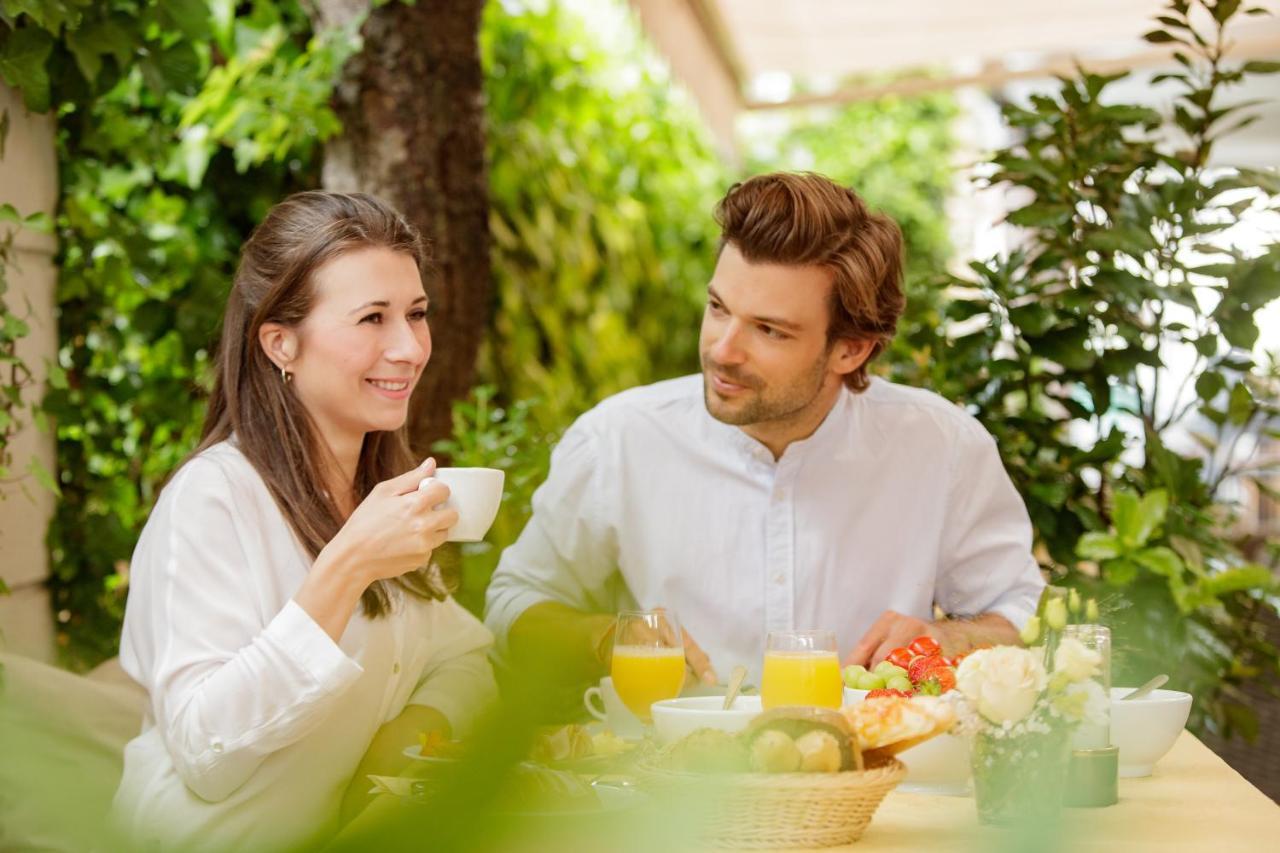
pixel 648 659
pixel 801 668
pixel 1098 638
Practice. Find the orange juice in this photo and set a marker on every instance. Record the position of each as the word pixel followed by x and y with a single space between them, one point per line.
pixel 801 678
pixel 643 675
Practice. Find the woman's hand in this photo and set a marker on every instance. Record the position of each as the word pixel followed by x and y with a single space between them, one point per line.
pixel 393 531
pixel 396 527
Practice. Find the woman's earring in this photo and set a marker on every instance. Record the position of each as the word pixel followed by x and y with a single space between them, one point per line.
pixel 285 376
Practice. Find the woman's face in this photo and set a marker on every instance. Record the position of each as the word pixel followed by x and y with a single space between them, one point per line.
pixel 360 351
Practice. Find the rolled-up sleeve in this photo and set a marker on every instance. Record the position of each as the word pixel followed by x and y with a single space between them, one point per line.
pixel 226 690
pixel 457 679
pixel 987 565
pixel 568 550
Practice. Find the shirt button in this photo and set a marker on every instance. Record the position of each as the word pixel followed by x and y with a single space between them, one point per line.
pixel 779 578
pixel 395 668
pixel 217 746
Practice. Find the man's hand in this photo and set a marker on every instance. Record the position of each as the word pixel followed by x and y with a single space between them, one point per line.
pixel 894 629
pixel 890 631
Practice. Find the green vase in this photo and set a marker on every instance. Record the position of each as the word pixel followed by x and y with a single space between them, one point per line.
pixel 1020 780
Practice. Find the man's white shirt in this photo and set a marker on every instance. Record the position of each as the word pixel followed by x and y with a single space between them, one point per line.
pixel 897 501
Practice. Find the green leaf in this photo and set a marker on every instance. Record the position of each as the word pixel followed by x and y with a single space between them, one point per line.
pixel 1240 404
pixel 190 17
pixel 112 37
pixel 1244 578
pixel 1121 572
pixel 1098 546
pixel 1260 67
pixel 1161 37
pixel 1151 513
pixel 39 221
pixel 22 65
pixel 1209 385
pixel 1160 560
pixel 1224 9
pixel 1126 516
pixel 42 475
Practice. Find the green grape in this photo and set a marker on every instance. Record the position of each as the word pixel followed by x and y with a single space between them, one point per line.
pixel 852 673
pixel 900 682
pixel 870 681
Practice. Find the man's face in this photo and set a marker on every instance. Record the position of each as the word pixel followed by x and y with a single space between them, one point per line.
pixel 764 349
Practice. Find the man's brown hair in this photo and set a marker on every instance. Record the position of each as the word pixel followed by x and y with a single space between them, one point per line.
pixel 805 219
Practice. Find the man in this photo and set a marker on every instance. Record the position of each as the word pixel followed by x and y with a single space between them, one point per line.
pixel 783 488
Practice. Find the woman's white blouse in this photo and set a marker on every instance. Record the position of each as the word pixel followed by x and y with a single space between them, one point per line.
pixel 257 719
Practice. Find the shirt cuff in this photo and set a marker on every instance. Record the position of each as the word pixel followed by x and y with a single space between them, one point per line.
pixel 301 637
pixel 1017 612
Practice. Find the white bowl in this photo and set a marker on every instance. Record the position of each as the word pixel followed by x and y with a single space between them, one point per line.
pixel 1145 729
pixel 940 765
pixel 675 718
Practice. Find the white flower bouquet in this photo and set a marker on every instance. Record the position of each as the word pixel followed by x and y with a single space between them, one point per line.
pixel 1020 706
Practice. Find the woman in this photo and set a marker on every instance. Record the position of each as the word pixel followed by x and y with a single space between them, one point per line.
pixel 283 615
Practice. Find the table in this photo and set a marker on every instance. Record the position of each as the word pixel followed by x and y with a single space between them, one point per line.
pixel 1194 802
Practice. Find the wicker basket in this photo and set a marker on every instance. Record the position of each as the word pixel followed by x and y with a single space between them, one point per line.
pixel 760 810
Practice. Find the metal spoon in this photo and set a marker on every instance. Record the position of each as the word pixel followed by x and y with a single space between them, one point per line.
pixel 1146 688
pixel 735 684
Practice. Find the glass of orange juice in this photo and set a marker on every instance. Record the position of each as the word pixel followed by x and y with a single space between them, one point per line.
pixel 648 659
pixel 801 668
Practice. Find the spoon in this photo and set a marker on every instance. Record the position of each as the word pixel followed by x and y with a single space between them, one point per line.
pixel 1146 688
pixel 735 684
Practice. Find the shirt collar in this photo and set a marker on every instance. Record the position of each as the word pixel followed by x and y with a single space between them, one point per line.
pixel 820 440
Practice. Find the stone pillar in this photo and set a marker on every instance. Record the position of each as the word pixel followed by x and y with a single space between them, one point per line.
pixel 28 181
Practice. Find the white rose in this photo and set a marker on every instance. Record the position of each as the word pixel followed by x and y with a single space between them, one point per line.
pixel 1075 661
pixel 1002 683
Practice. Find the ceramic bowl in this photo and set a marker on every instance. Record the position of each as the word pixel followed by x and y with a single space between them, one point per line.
pixel 1145 729
pixel 675 718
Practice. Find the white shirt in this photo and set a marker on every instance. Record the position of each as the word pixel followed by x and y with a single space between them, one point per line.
pixel 257 719
pixel 897 501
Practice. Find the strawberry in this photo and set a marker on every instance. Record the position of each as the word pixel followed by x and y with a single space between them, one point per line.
pixel 925 645
pixel 900 657
pixel 937 681
pixel 885 691
pixel 920 667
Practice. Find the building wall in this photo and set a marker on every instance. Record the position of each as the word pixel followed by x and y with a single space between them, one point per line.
pixel 28 181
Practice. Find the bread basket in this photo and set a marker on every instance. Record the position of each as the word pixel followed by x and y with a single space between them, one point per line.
pixel 769 810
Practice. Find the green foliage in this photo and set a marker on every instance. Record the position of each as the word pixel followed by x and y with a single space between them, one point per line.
pixel 15 374
pixel 162 178
pixel 601 183
pixel 486 435
pixel 1059 348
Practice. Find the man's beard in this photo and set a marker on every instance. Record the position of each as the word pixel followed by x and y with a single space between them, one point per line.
pixel 762 404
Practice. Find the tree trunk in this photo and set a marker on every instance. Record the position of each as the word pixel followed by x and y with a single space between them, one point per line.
pixel 412 108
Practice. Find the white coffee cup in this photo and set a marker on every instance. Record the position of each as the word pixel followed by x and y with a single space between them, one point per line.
pixel 476 494
pixel 614 712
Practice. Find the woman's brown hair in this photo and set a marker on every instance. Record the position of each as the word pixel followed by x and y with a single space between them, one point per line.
pixel 252 402
pixel 805 219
